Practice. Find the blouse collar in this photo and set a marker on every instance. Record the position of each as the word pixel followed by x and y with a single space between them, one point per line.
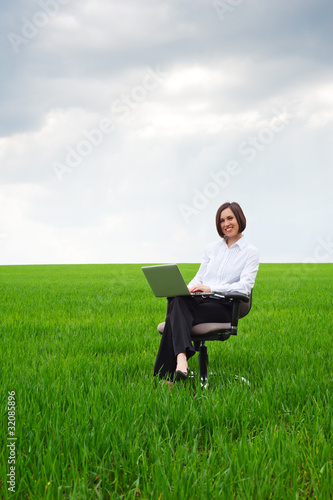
pixel 240 242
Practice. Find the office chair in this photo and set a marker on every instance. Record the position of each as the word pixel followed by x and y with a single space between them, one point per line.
pixel 241 305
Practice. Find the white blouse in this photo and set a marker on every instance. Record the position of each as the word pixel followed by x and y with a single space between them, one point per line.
pixel 227 269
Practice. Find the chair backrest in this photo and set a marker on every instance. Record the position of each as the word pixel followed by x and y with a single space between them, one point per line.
pixel 245 307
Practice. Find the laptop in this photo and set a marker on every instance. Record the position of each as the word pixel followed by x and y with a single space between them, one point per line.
pixel 166 280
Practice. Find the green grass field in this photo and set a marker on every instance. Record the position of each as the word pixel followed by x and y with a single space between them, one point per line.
pixel 78 345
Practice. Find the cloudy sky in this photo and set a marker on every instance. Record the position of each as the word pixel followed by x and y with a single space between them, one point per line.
pixel 126 124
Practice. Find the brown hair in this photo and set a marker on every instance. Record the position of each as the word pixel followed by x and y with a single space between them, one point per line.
pixel 238 213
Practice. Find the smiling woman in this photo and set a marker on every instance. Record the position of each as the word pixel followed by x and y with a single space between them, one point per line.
pixel 229 265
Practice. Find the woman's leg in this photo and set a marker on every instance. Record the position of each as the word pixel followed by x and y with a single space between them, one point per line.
pixel 182 314
pixel 176 337
pixel 212 311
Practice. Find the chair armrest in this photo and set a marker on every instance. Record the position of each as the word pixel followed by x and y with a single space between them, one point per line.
pixel 241 297
pixel 236 299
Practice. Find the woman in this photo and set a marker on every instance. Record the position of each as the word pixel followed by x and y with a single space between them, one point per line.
pixel 229 265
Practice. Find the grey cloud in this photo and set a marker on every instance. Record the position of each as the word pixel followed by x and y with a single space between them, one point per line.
pixel 47 70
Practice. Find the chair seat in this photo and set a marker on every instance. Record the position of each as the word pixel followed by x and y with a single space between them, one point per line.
pixel 205 328
pixel 202 328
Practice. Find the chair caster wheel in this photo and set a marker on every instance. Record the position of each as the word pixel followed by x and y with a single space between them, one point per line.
pixel 204 383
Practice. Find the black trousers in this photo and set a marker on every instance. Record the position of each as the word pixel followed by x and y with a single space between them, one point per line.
pixel 183 313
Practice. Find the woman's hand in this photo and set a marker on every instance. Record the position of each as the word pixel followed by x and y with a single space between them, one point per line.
pixel 200 288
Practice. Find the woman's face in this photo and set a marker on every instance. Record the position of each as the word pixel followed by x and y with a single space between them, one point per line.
pixel 229 224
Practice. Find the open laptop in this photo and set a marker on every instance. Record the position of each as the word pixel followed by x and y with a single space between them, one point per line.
pixel 166 280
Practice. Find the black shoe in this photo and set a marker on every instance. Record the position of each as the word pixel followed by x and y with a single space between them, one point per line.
pixel 182 375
